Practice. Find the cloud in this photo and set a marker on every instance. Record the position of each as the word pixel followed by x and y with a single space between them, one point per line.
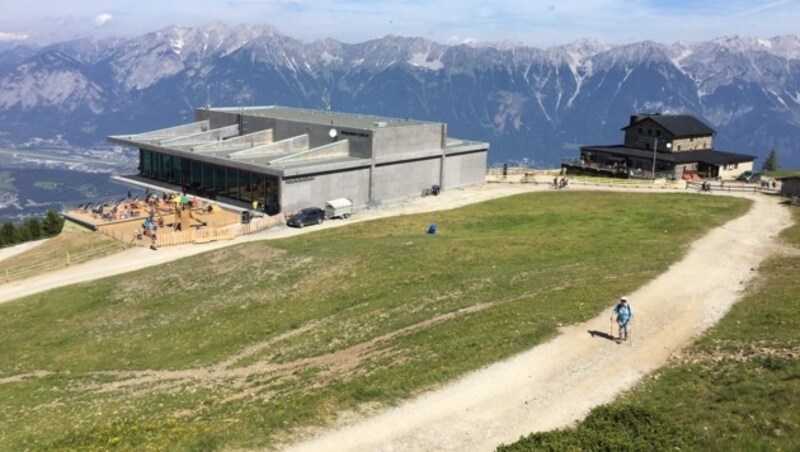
pixel 12 36
pixel 103 19
pixel 761 8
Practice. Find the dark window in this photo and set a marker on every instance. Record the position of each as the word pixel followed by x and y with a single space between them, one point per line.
pixel 144 163
pixel 219 180
pixel 658 133
pixel 166 169
pixel 259 189
pixel 245 187
pixel 197 175
pixel 208 176
pixel 176 171
pixel 186 172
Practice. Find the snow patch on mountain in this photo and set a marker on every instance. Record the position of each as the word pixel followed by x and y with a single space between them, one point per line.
pixel 421 60
pixel 720 116
pixel 5 36
pixel 177 43
pixel 509 110
pixel 328 58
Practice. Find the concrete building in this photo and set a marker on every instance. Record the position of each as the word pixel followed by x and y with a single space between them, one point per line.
pixel 675 146
pixel 287 158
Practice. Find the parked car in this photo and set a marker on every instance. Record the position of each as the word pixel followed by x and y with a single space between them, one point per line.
pixel 749 176
pixel 307 216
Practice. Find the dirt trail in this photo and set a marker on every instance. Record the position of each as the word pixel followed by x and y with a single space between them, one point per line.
pixel 557 383
pixel 11 251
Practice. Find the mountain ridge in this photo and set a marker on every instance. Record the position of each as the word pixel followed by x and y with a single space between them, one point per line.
pixel 530 103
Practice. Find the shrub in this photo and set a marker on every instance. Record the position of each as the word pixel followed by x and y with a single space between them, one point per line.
pixel 609 427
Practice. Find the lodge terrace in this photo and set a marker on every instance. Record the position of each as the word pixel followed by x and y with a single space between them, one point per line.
pixel 662 146
pixel 283 159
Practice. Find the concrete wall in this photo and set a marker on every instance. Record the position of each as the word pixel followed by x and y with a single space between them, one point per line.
pixel 465 169
pixel 314 191
pixel 405 179
pixel 318 134
pixel 398 140
pixel 216 118
pixel 332 150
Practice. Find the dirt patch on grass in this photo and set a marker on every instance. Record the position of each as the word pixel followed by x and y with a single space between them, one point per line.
pixel 226 260
pixel 245 382
pixel 26 376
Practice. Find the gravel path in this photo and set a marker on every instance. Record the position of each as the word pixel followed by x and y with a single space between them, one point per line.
pixel 549 386
pixel 10 251
pixel 557 383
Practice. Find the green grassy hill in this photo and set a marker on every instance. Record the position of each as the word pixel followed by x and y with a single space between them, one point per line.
pixel 236 347
pixel 737 388
pixel 74 245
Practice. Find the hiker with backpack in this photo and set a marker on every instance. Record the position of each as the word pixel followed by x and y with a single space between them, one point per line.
pixel 624 313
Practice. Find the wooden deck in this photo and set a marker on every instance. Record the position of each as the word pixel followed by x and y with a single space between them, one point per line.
pixel 194 223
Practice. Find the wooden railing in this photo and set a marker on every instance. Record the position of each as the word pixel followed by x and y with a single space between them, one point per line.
pixel 205 234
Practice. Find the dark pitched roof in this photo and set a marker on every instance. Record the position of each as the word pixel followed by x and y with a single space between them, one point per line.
pixel 678 125
pixel 708 156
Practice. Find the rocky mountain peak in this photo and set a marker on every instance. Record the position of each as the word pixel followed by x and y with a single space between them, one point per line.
pixel 520 98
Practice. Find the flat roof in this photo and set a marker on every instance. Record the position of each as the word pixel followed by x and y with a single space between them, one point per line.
pixel 357 121
pixel 287 157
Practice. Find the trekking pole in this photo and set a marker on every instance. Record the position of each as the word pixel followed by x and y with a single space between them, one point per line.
pixel 630 334
pixel 611 327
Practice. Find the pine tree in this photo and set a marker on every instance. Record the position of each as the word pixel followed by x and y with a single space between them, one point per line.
pixel 22 234
pixel 771 163
pixel 8 234
pixel 34 228
pixel 52 223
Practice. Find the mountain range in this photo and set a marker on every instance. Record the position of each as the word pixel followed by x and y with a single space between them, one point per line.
pixel 535 105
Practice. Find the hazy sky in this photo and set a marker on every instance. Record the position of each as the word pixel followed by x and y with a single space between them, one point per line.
pixel 532 22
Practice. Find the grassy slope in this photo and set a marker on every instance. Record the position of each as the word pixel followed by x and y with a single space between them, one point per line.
pixel 738 388
pixel 373 313
pixel 80 243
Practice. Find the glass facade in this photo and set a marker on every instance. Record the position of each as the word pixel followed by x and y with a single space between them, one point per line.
pixel 211 180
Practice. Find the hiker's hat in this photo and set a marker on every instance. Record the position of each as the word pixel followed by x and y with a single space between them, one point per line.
pixel 623 299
